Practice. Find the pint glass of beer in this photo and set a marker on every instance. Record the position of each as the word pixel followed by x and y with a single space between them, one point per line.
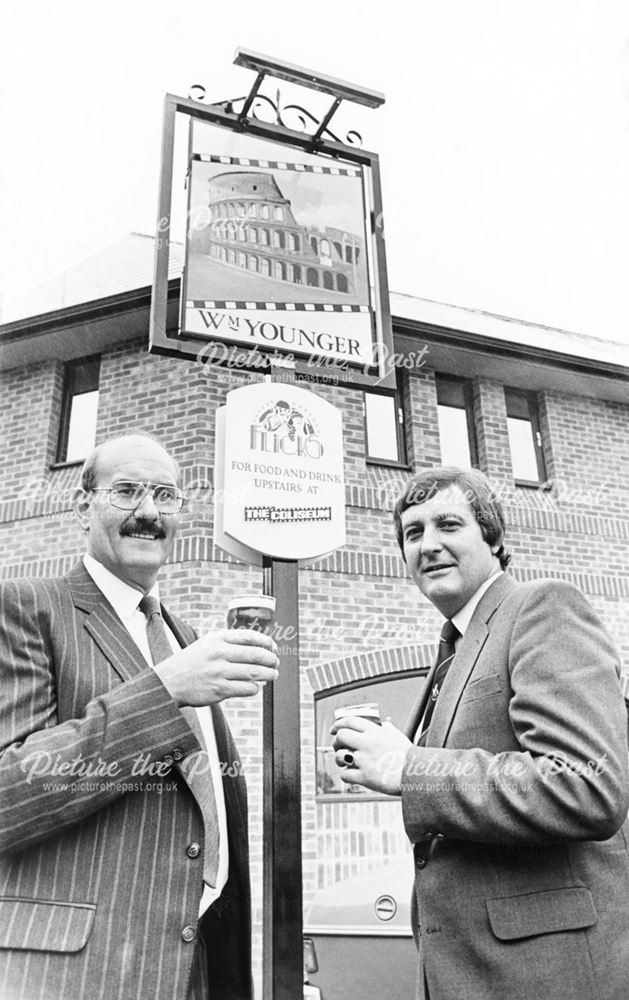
pixel 255 611
pixel 366 710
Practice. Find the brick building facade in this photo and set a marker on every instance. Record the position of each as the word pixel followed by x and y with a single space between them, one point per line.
pixel 360 616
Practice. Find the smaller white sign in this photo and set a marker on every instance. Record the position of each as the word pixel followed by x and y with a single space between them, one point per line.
pixel 281 473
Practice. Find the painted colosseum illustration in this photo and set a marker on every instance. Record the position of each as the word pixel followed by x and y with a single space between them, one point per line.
pixel 252 226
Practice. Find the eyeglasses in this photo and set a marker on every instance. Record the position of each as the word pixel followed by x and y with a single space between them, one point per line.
pixel 129 495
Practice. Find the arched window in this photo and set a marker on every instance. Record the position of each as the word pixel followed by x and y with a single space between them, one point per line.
pixel 328 280
pixel 339 249
pixel 312 278
pixel 278 213
pixel 314 243
pixel 278 270
pixel 324 247
pixel 278 239
pixel 341 283
pixel 348 254
pixel 264 237
pixel 253 263
pixel 253 234
pixel 293 242
pixel 264 212
pixel 240 210
pixel 297 274
pixel 264 267
pixel 242 259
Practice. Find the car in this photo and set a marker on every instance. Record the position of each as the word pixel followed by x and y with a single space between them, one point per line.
pixel 358 943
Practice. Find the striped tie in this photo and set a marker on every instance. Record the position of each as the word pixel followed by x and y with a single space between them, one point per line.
pixel 200 784
pixel 445 655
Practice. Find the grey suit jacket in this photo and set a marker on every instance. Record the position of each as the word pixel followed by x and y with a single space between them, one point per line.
pixel 516 807
pixel 98 893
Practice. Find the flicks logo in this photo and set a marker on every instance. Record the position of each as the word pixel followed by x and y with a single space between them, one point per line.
pixel 283 429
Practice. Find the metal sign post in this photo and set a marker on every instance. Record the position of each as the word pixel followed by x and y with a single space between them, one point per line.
pixel 282 870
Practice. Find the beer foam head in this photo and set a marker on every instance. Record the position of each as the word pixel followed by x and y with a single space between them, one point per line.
pixel 252 601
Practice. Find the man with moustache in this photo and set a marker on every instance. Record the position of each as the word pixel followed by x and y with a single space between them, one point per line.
pixel 134 884
pixel 513 772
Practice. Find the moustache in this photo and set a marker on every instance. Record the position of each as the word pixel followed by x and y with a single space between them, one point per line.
pixel 142 525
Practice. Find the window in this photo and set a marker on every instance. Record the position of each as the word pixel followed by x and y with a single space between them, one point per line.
pixel 395 695
pixel 77 431
pixel 525 439
pixel 456 421
pixel 384 426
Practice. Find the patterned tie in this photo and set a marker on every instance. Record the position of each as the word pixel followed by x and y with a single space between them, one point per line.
pixel 445 655
pixel 200 784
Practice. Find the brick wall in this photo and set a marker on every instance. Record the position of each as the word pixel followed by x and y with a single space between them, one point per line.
pixel 30 404
pixel 359 613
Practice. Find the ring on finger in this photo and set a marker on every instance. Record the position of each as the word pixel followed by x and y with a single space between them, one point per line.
pixel 348 758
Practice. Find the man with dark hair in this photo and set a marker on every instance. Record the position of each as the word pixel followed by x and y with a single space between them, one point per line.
pixel 123 822
pixel 513 771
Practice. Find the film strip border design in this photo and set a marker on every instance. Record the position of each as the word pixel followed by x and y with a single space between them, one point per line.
pixel 304 168
pixel 279 306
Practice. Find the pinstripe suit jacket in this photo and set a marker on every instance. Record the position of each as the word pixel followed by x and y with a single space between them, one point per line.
pixel 96 886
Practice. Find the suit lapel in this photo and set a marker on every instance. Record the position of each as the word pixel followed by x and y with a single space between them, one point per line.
pixel 234 788
pixel 104 625
pixel 467 654
pixel 183 633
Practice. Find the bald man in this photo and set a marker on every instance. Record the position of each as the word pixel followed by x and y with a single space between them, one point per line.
pixel 123 823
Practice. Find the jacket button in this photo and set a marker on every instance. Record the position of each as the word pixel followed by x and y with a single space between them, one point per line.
pixel 188 934
pixel 177 755
pixel 167 760
pixel 420 861
pixel 193 850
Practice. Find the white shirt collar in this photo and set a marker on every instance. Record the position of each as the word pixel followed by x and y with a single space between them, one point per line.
pixel 463 617
pixel 123 598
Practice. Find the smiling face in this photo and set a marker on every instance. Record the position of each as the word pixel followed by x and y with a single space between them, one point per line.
pixel 131 544
pixel 445 551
